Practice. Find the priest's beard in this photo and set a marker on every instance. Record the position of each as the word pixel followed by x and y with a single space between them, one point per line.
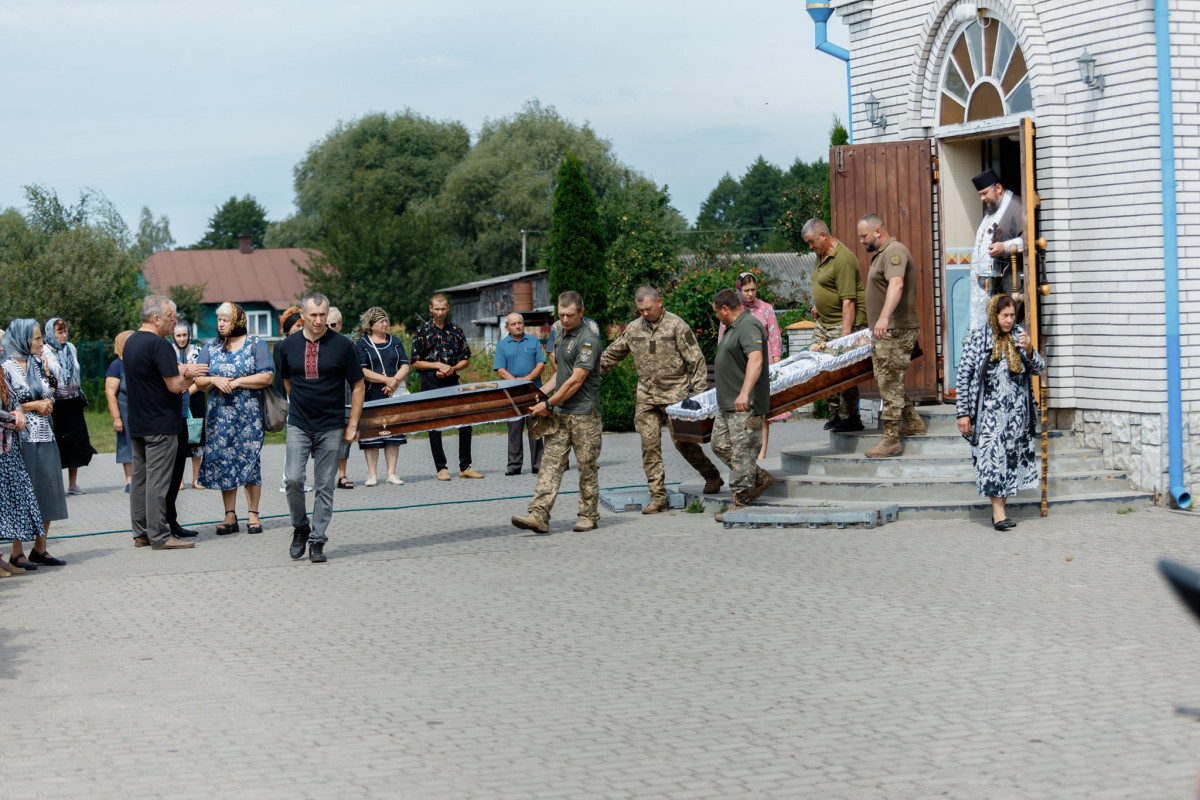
pixel 989 208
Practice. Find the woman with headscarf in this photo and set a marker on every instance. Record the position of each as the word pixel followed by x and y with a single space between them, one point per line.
pixel 747 288
pixel 118 405
pixel 995 407
pixel 385 366
pixel 20 519
pixel 197 400
pixel 26 379
pixel 70 428
pixel 238 367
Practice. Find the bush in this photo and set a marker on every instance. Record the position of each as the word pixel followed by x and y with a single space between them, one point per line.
pixel 691 296
pixel 618 397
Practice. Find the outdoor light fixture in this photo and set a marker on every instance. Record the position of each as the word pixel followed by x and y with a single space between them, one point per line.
pixel 1087 71
pixel 873 116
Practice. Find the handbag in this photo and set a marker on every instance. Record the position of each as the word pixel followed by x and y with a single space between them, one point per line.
pixel 195 428
pixel 274 409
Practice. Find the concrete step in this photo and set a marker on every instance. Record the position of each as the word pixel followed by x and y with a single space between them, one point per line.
pixel 822 461
pixel 836 488
pixel 929 444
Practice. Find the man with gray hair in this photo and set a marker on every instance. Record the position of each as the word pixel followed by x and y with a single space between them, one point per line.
pixel 670 367
pixel 155 380
pixel 520 358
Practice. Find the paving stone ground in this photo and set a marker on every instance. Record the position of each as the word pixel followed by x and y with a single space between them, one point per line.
pixel 443 654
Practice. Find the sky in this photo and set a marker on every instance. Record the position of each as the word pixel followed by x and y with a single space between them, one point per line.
pixel 179 105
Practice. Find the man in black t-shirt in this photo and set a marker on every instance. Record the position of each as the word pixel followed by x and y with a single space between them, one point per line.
pixel 154 380
pixel 315 364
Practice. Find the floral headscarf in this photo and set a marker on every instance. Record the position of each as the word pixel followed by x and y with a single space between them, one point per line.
pixel 753 279
pixel 1005 344
pixel 237 322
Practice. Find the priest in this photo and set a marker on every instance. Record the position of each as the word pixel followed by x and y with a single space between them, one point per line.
pixel 1002 227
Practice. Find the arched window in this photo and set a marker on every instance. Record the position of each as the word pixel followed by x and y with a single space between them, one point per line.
pixel 985 75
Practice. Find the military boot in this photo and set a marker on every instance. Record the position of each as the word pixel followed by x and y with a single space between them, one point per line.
pixel 713 484
pixel 763 480
pixel 911 423
pixel 890 444
pixel 658 504
pixel 739 502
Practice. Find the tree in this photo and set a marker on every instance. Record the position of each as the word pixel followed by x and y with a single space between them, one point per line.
pixel 189 300
pixel 152 235
pixel 641 229
pixel 506 183
pixel 758 202
pixel 797 207
pixel 232 219
pixel 717 210
pixel 838 136
pixel 575 251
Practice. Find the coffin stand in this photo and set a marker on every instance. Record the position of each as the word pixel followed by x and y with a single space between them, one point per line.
pixel 451 407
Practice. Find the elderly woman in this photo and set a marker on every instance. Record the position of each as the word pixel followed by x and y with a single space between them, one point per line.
pixel 20 518
pixel 118 405
pixel 238 366
pixel 70 428
pixel 197 401
pixel 995 407
pixel 290 321
pixel 385 365
pixel 747 287
pixel 26 378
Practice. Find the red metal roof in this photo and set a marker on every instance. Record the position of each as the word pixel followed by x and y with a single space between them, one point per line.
pixel 268 276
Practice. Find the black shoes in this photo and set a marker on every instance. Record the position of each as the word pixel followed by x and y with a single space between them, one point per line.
pixel 512 471
pixel 830 423
pixel 316 552
pixel 45 559
pixel 253 527
pixel 1004 524
pixel 224 529
pixel 184 533
pixel 23 562
pixel 848 426
pixel 299 541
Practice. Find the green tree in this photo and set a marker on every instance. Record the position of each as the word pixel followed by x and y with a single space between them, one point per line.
pixel 641 229
pixel 798 206
pixel 152 235
pixel 189 300
pixel 575 251
pixel 838 136
pixel 758 202
pixel 232 219
pixel 717 210
pixel 506 184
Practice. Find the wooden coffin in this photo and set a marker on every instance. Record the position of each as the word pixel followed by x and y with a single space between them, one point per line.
pixel 818 387
pixel 452 407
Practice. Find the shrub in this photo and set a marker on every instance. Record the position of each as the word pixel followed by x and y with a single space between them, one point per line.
pixel 618 397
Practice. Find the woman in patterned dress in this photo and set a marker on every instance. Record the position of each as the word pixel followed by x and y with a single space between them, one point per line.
pixel 385 367
pixel 1004 457
pixel 188 353
pixel 70 428
pixel 747 288
pixel 20 519
pixel 26 378
pixel 238 367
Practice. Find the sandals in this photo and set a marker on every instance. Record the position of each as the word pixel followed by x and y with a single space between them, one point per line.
pixel 225 529
pixel 252 527
pixel 344 483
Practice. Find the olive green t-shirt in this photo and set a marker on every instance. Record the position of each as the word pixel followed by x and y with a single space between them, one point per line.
pixel 835 279
pixel 893 260
pixel 581 349
pixel 743 336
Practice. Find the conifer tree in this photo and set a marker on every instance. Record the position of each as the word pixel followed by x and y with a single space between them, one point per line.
pixel 575 251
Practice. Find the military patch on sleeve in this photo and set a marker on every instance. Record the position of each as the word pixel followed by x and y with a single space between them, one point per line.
pixel 690 337
pixel 895 260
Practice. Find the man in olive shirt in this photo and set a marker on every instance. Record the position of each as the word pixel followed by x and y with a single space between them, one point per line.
pixel 892 315
pixel 574 398
pixel 839 307
pixel 743 399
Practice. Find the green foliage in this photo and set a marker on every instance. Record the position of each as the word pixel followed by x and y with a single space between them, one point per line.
pixel 618 397
pixel 232 219
pixel 641 229
pixel 692 294
pixel 793 315
pixel 189 300
pixel 838 136
pixel 505 184
pixel 798 206
pixel 695 507
pixel 152 235
pixel 575 251
pixel 753 204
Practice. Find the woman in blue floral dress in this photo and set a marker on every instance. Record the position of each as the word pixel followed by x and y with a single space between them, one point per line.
pixel 238 367
pixel 20 518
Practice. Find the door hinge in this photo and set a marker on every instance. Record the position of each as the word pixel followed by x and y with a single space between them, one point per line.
pixel 841 163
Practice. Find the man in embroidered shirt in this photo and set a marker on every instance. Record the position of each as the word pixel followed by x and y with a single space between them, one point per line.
pixel 316 363
pixel 1001 229
pixel 439 352
pixel 520 357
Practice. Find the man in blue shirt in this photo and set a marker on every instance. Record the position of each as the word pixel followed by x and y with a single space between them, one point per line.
pixel 519 357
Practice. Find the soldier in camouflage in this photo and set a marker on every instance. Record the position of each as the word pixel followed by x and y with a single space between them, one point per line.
pixel 574 399
pixel 670 367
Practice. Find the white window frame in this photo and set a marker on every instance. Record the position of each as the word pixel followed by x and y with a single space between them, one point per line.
pixel 258 323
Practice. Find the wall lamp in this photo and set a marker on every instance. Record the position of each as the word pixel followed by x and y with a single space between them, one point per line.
pixel 876 119
pixel 1087 71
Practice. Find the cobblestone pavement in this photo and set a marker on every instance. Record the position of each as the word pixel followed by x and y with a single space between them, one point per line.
pixel 443 654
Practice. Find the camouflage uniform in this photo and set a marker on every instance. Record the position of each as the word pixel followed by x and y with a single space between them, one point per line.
pixel 670 367
pixel 844 404
pixel 583 433
pixel 889 360
pixel 737 439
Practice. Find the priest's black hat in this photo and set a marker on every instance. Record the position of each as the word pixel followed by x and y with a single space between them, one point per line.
pixel 985 179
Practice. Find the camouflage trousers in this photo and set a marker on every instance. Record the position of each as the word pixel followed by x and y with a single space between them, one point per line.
pixel 843 405
pixel 736 440
pixel 889 360
pixel 581 433
pixel 648 421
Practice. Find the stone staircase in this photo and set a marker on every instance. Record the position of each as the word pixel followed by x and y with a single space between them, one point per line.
pixel 933 478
